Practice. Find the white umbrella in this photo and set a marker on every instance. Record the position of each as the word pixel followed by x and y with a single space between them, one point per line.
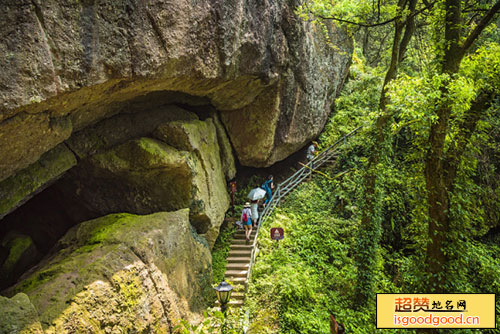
pixel 257 193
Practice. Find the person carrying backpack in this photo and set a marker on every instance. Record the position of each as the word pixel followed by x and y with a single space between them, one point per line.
pixel 268 186
pixel 246 219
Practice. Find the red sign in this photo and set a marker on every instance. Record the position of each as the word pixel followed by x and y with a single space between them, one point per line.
pixel 232 186
pixel 277 233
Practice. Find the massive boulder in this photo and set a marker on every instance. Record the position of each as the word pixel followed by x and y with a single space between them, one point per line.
pixel 181 168
pixel 209 197
pixel 68 65
pixel 121 273
pixel 82 185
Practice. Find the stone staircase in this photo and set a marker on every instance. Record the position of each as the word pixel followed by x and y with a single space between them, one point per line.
pixel 241 254
pixel 238 263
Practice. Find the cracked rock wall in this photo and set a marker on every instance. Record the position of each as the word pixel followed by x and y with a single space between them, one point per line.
pixel 67 65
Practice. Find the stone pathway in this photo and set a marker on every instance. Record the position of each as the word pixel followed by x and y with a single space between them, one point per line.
pixel 237 266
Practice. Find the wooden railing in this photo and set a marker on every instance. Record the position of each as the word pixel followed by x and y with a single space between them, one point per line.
pixel 285 187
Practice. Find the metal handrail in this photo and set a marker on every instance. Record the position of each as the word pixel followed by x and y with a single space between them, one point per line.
pixel 289 184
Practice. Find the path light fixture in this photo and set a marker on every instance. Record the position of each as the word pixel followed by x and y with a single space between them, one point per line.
pixel 223 291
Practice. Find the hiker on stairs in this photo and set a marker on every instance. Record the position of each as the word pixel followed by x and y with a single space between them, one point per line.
pixel 268 186
pixel 246 219
pixel 254 207
pixel 312 151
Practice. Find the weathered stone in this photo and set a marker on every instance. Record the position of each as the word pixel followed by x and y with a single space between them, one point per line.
pixel 18 316
pixel 22 186
pixel 252 128
pixel 22 255
pixel 19 188
pixel 146 175
pixel 122 273
pixel 140 176
pixel 120 128
pixel 210 198
pixel 226 151
pixel 68 65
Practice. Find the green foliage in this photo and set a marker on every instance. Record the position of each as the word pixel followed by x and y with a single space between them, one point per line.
pixel 313 271
pixel 357 102
pixel 220 252
pixel 214 321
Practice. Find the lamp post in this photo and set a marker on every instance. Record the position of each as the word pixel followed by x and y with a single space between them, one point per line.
pixel 223 291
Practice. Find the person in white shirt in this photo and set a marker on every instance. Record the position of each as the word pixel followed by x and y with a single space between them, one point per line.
pixel 255 212
pixel 311 150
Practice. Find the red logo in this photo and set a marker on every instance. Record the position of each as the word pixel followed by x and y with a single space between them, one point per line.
pixel 277 233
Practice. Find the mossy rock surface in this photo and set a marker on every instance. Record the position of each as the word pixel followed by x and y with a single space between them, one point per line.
pixel 140 176
pixel 210 199
pixel 18 316
pixel 180 168
pixel 226 150
pixel 19 188
pixel 121 272
pixel 22 254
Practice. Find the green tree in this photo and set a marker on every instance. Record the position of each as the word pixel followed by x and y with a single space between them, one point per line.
pixel 442 161
pixel 401 15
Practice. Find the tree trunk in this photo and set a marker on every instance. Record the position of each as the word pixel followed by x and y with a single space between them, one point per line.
pixel 440 166
pixel 370 227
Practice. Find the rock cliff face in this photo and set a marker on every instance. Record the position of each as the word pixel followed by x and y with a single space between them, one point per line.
pixel 141 107
pixel 67 65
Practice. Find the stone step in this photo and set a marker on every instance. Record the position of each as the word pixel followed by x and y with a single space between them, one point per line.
pixel 238 236
pixel 238 265
pixel 233 302
pixel 239 287
pixel 240 253
pixel 236 303
pixel 236 273
pixel 238 259
pixel 241 247
pixel 238 241
pixel 243 231
pixel 237 296
pixel 237 280
pixel 239 232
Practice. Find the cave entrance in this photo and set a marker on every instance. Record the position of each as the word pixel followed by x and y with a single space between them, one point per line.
pixel 31 231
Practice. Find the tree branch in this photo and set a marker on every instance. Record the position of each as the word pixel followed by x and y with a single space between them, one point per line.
pixel 371 25
pixel 485 20
pixel 366 25
pixel 409 30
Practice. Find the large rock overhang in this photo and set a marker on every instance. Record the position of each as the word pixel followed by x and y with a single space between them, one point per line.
pixel 68 66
